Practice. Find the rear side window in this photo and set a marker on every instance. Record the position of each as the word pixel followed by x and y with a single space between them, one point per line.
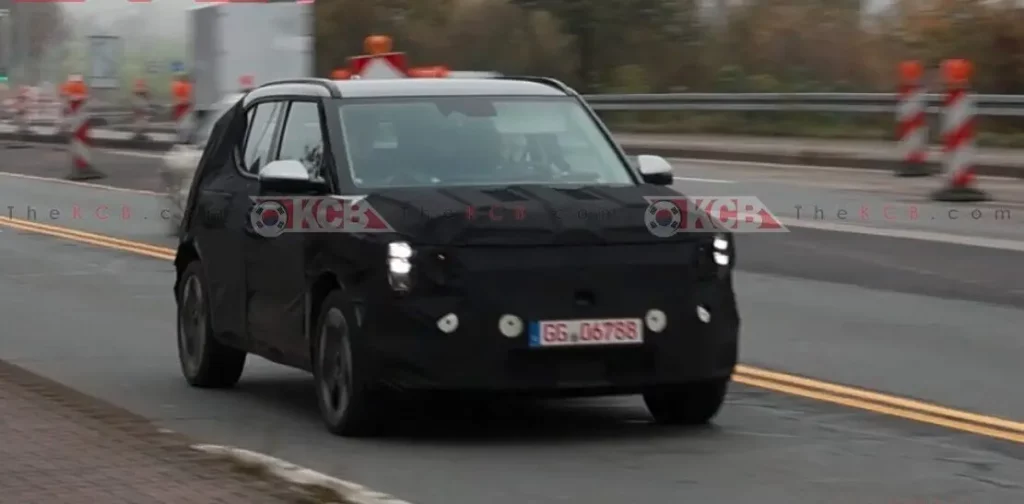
pixel 261 135
pixel 303 137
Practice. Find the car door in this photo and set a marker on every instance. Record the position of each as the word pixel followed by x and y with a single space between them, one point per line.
pixel 276 267
pixel 253 153
pixel 221 212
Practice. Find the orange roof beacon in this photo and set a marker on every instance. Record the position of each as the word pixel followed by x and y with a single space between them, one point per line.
pixel 381 47
pixel 377 44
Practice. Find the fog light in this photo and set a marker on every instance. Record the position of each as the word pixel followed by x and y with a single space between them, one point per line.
pixel 399 250
pixel 448 323
pixel 400 266
pixel 703 315
pixel 721 258
pixel 510 326
pixel 656 320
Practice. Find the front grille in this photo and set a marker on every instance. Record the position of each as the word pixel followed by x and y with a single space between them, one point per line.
pixel 542 282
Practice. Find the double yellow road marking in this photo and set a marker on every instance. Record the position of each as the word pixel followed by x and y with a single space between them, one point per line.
pixel 809 388
pixel 885 404
pixel 90 238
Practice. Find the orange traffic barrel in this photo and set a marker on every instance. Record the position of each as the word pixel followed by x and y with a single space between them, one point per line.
pixel 75 89
pixel 182 91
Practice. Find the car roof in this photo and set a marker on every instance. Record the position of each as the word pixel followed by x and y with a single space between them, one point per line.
pixel 383 88
pixel 230 99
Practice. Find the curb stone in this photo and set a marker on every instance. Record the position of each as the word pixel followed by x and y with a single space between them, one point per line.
pixel 107 439
pixel 347 492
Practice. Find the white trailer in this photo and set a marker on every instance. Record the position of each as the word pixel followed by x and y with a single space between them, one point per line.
pixel 266 41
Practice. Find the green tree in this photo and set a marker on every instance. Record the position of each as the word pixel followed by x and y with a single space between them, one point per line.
pixel 596 23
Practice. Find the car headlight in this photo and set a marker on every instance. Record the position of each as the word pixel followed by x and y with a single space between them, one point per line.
pixel 720 250
pixel 400 266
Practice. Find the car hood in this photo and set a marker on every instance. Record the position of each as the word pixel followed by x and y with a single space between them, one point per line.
pixel 522 215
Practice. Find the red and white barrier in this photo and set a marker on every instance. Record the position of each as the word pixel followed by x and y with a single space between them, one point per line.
pixel 140 110
pixel 80 146
pixel 911 120
pixel 47 108
pixel 958 136
pixel 22 107
pixel 181 113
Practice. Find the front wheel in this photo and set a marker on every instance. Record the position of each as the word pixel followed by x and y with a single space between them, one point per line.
pixel 348 405
pixel 205 361
pixel 687 404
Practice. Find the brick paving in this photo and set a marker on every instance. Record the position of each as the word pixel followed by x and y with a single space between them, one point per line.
pixel 59 446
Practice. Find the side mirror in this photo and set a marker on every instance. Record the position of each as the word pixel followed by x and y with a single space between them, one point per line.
pixel 655 169
pixel 289 175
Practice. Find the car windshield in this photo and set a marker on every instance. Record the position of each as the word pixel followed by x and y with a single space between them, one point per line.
pixel 477 140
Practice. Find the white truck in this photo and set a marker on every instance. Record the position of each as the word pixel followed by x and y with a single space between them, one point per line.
pixel 226 42
pixel 265 41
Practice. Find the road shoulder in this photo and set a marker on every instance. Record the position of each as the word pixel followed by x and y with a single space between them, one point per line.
pixel 59 445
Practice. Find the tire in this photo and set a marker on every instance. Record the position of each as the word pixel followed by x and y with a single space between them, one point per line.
pixel 348 404
pixel 205 361
pixel 688 404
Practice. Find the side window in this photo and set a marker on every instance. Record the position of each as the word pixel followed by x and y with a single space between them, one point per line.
pixel 261 135
pixel 303 138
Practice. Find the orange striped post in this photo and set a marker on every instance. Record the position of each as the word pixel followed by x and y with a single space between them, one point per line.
pixel 181 90
pixel 80 141
pixel 911 121
pixel 958 135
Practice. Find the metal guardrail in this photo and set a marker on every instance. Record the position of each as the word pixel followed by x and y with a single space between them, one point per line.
pixel 863 103
pixel 986 105
pixel 989 105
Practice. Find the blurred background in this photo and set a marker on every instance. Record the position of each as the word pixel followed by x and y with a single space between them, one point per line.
pixel 605 46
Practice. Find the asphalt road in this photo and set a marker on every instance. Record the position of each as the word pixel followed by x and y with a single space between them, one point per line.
pixel 935 321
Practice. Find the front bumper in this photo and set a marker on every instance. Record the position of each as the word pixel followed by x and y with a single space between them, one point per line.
pixel 409 352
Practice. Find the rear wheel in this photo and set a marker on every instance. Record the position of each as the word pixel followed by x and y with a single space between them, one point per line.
pixel 687 404
pixel 205 361
pixel 348 405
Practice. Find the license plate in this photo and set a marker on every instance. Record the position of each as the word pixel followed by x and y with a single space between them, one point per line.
pixel 561 333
